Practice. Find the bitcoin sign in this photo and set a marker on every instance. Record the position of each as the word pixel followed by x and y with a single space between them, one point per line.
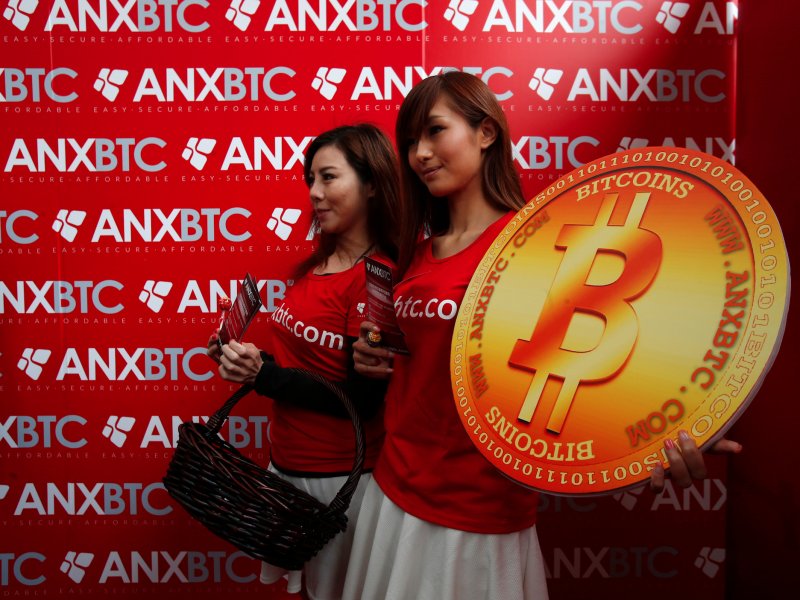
pixel 640 295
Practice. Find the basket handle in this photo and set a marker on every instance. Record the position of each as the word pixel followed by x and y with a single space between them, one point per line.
pixel 219 417
pixel 342 499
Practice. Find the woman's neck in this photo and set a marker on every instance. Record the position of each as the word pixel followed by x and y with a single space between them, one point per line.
pixel 350 248
pixel 469 218
pixel 471 215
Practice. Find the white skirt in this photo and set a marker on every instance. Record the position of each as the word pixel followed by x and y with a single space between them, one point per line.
pixel 396 556
pixel 323 575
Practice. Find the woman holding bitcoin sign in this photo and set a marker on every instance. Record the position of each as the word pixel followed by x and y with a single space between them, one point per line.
pixel 438 520
pixel 351 174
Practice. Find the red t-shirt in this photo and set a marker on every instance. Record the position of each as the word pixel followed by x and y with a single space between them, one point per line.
pixel 309 330
pixel 429 467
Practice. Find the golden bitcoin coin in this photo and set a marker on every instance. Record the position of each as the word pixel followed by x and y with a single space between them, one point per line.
pixel 642 294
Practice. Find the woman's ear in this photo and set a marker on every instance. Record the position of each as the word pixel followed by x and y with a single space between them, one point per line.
pixel 487 132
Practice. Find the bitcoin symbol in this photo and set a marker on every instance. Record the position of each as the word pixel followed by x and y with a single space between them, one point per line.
pixel 571 293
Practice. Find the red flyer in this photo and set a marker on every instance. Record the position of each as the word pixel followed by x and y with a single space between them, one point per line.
pixel 241 313
pixel 380 306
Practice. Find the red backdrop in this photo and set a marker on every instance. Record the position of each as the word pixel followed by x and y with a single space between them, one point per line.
pixel 152 154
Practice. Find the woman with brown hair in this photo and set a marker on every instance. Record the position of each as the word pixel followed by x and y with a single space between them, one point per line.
pixel 438 521
pixel 351 173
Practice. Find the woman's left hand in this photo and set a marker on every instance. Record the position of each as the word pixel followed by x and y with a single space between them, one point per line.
pixel 240 363
pixel 686 461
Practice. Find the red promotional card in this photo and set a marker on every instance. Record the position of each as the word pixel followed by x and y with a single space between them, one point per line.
pixel 380 305
pixel 245 307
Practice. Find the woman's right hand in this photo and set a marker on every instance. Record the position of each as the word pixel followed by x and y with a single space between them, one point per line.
pixel 371 361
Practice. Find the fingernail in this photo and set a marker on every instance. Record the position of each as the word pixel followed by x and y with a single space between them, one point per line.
pixel 684 437
pixel 669 444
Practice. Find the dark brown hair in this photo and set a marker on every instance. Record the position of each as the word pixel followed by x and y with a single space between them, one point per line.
pixel 472 99
pixel 371 155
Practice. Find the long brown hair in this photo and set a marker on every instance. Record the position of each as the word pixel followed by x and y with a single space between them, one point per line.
pixel 371 155
pixel 473 100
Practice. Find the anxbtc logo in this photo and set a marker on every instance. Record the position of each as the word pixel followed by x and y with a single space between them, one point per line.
pixel 19 12
pixel 612 562
pixel 710 560
pixel 282 220
pixel 179 225
pixel 241 12
pixel 629 143
pixel 182 566
pixel 103 498
pixel 239 432
pixel 197 151
pixel 59 297
pixel 353 15
pixel 109 81
pixel 225 84
pixel 32 361
pixel 654 85
pixel 118 428
pixel 543 81
pixel 121 364
pixel 68 155
pixel 327 80
pixel 459 11
pixel 133 15
pixel 670 15
pixel 75 565
pixel 579 16
pixel 128 225
pixel 154 293
pixel 67 222
pixel 629 498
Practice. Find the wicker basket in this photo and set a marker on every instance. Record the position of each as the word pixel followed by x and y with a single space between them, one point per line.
pixel 249 506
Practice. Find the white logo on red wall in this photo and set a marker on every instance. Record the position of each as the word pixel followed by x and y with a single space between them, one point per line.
pixel 327 80
pixel 108 82
pixel 67 222
pixel 459 11
pixel 241 12
pixel 282 220
pixel 544 80
pixel 710 560
pixel 19 12
pixel 629 498
pixel 75 565
pixel 629 143
pixel 118 428
pixel 32 361
pixel 670 15
pixel 197 151
pixel 154 293
pixel 120 364
pixel 4 491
